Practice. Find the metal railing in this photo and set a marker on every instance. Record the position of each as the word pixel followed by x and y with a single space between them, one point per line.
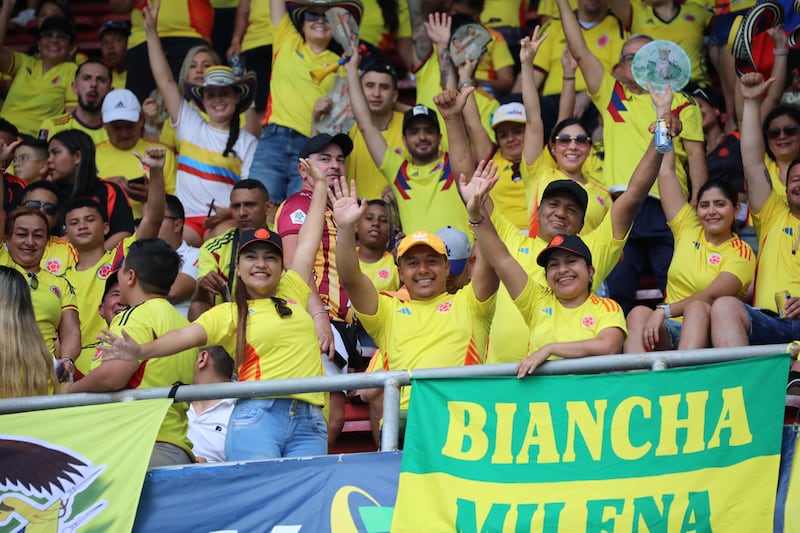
pixel 393 380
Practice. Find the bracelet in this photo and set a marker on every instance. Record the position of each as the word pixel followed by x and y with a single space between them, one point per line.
pixel 665 308
pixel 780 52
pixel 568 78
pixel 323 312
pixel 464 84
pixel 478 223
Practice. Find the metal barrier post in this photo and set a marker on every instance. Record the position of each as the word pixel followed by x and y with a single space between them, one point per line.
pixel 391 416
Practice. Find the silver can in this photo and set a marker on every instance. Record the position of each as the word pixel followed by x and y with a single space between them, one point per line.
pixel 663 139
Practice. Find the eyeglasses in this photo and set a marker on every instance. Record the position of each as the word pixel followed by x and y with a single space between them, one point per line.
pixel 281 308
pixel 788 131
pixel 313 16
pixel 33 281
pixel 47 207
pixel 579 139
pixel 624 58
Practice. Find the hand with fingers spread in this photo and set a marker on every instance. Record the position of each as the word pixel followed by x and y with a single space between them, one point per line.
pixel 450 103
pixel 529 46
pixel 118 348
pixel 481 184
pixel 753 85
pixel 346 209
pixel 438 28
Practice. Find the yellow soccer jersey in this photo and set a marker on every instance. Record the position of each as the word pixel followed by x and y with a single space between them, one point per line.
pixel 59 256
pixel 605 39
pixel 118 79
pixel 504 13
pixel 509 192
pixel 69 121
pixel 541 173
pixel 383 273
pixel 496 57
pixel 111 162
pixel 90 282
pixel 182 18
pixel 51 296
pixel 277 348
pixel 292 92
pixel 551 322
pixel 548 8
pixel 427 196
pixel 507 339
pixel 259 27
pixel 775 176
pixel 361 167
pixel 216 255
pixel 684 29
pixel 372 29
pixel 778 268
pixel 145 323
pixel 626 119
pixel 35 95
pixel 696 262
pixel 403 331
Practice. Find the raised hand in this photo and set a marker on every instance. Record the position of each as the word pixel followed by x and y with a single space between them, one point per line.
pixel 438 28
pixel 313 171
pixel 568 62
pixel 154 156
pixel 120 348
pixel 483 180
pixel 150 16
pixel 529 46
pixel 351 67
pixel 753 85
pixel 450 102
pixel 346 209
pixel 778 36
pixel 661 101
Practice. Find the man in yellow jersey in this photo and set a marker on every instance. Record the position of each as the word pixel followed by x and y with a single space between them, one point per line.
pixel 116 160
pixel 379 85
pixel 626 111
pixel 774 316
pixel 147 273
pixel 433 328
pixel 114 49
pixel 92 84
pixel 86 226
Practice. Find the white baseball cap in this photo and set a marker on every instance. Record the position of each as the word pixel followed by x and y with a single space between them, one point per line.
pixel 513 112
pixel 121 104
pixel 458 248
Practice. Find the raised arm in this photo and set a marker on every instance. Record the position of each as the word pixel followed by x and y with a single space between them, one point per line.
pixel 591 67
pixel 158 62
pixel 672 198
pixel 566 102
pixel 277 9
pixel 239 28
pixel 156 204
pixel 6 55
pixel 482 145
pixel 534 128
pixel 492 249
pixel 423 46
pixel 623 10
pixel 759 182
pixel 310 234
pixel 450 105
pixel 347 212
pixel 779 69
pixel 376 144
pixel 124 348
pixel 438 29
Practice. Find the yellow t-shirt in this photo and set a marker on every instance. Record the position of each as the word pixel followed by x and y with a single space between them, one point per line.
pixel 59 255
pixel 541 173
pixel 427 196
pixel 775 176
pixel 548 8
pixel 372 29
pixel 497 56
pixel 118 79
pixel 403 332
pixel 53 125
pixel 35 95
pixel 508 193
pixel 178 18
pixel 504 13
pixel 292 92
pixel 111 161
pixel 51 296
pixel 684 29
pixel 507 339
pixel 551 322
pixel 277 348
pixel 626 119
pixel 361 167
pixel 89 285
pixel 696 262
pixel 778 268
pixel 605 39
pixel 259 27
pixel 145 323
pixel 382 273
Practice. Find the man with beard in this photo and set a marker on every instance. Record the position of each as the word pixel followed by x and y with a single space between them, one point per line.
pixel 92 84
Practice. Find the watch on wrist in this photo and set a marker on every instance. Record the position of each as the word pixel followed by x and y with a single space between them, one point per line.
pixel 666 309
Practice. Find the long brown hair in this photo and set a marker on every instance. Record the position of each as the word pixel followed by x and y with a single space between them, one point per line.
pixel 240 297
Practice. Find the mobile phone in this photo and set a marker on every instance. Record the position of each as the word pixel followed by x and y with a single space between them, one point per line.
pixel 139 181
pixel 338 360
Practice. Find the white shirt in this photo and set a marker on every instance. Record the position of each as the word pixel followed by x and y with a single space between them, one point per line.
pixel 208 429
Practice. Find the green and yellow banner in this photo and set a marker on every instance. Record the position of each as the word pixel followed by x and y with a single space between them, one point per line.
pixel 77 468
pixel 691 449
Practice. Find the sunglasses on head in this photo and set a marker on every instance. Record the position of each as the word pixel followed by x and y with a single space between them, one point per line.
pixel 789 131
pixel 281 308
pixel 313 16
pixel 579 139
pixel 47 207
pixel 54 34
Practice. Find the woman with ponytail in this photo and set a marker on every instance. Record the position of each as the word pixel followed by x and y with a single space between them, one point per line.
pixel 214 153
pixel 272 336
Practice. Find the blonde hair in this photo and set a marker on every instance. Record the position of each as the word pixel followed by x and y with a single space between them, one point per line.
pixel 26 365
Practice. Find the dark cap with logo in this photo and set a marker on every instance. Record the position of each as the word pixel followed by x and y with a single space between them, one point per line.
pixel 420 112
pixel 261 234
pixel 318 142
pixel 570 243
pixel 569 187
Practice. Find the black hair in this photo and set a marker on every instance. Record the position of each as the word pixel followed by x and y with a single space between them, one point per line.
pixel 86 174
pixel 389 11
pixel 233 135
pixel 376 201
pixel 156 265
pixel 728 191
pixel 221 361
pixel 472 4
pixel 788 110
pixel 175 207
pixel 250 185
pixel 7 127
pixel 92 61
pixel 565 123
pixel 63 6
pixel 39 145
pixel 79 202
pixel 378 63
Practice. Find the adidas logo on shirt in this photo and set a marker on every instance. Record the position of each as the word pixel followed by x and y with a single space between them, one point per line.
pixel 548 311
pixel 789 231
pixel 404 311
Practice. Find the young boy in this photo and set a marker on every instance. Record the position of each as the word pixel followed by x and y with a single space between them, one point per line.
pixel 373 235
pixel 30 160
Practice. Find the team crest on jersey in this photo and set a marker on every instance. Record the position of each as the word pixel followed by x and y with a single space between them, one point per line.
pixel 588 321
pixel 53 266
pixel 714 259
pixel 290 301
pixel 602 41
pixel 688 18
pixel 55 290
pixel 383 273
pixel 56 80
pixel 445 307
pixel 298 217
pixel 398 151
pixel 104 271
pixel 600 200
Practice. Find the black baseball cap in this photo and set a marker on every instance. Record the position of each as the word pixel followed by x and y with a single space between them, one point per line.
pixel 57 23
pixel 120 26
pixel 261 234
pixel 318 142
pixel 569 187
pixel 420 112
pixel 111 280
pixel 570 243
pixel 380 65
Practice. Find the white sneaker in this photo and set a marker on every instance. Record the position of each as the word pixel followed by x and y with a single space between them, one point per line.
pixel 24 17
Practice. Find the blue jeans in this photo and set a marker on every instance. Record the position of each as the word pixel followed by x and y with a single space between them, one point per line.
pixel 768 329
pixel 276 159
pixel 270 428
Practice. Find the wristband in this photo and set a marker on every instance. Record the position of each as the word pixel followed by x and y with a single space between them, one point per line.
pixel 780 52
pixel 464 84
pixel 478 223
pixel 568 78
pixel 666 309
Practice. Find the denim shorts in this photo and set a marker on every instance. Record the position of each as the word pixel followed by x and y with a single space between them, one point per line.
pixel 673 328
pixel 767 328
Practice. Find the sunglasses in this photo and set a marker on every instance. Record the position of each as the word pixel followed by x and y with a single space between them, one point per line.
pixel 313 16
pixel 47 207
pixel 579 139
pixel 33 281
pixel 281 308
pixel 54 34
pixel 789 131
